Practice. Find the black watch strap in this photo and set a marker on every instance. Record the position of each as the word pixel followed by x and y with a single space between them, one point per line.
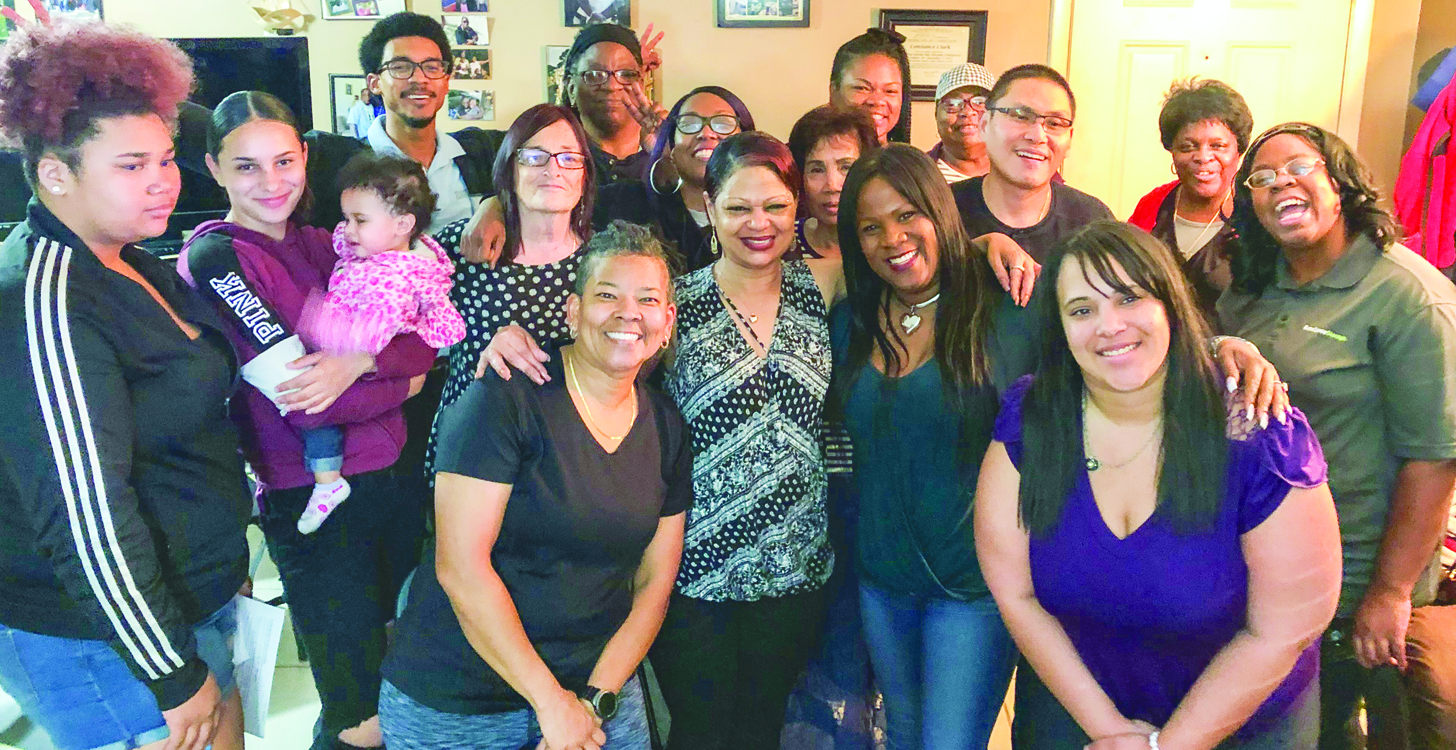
pixel 602 702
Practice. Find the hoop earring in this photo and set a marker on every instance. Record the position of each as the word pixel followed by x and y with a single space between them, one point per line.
pixel 652 178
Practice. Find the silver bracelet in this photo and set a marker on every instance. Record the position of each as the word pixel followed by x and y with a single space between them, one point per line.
pixel 1153 738
pixel 1213 345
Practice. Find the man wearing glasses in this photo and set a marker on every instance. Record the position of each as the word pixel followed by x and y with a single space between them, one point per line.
pixel 1027 129
pixel 604 72
pixel 960 100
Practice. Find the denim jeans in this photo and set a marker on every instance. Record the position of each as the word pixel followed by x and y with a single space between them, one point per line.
pixel 83 695
pixel 323 448
pixel 942 665
pixel 410 725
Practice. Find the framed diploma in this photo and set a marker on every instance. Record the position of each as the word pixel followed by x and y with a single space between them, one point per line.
pixel 936 41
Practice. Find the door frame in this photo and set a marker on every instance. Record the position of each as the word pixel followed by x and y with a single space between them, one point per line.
pixel 1352 85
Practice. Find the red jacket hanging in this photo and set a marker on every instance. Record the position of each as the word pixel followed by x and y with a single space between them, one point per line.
pixel 1425 190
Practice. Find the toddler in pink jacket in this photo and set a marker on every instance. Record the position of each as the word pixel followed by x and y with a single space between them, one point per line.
pixel 391 278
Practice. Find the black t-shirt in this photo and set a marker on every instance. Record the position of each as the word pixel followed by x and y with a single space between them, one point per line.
pixel 1071 210
pixel 575 528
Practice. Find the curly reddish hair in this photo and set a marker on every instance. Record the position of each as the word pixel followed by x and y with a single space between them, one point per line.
pixel 57 81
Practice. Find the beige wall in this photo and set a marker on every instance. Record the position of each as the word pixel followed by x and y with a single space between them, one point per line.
pixel 780 73
pixel 1388 86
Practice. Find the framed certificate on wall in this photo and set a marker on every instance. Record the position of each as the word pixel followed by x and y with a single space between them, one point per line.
pixel 936 41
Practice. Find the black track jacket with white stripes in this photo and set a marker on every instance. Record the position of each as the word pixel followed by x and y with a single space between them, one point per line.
pixel 123 503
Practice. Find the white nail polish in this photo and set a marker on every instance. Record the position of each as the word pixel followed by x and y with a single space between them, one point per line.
pixel 1249 413
pixel 1263 421
pixel 1232 383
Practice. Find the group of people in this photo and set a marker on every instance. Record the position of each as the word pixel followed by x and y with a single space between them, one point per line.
pixel 799 422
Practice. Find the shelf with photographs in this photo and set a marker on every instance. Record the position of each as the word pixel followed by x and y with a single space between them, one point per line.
pixel 359 10
pixel 470 105
pixel 762 14
pixel 588 12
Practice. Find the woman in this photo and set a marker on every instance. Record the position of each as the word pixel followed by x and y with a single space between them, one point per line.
pixel 528 620
pixel 1205 126
pixel 872 72
pixel 1362 329
pixel 825 143
pixel 258 266
pixel 124 498
pixel 1136 480
pixel 547 184
pixel 924 344
pixel 671 196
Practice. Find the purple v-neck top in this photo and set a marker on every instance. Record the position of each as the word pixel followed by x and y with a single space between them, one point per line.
pixel 1147 613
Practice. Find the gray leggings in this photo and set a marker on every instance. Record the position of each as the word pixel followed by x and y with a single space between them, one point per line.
pixel 410 725
pixel 1042 724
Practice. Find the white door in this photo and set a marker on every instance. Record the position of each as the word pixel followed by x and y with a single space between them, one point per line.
pixel 1287 58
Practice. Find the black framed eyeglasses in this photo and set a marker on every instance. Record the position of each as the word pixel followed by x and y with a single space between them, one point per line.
pixel 1263 178
pixel 403 70
pixel 963 104
pixel 1026 117
pixel 538 157
pixel 598 77
pixel 720 124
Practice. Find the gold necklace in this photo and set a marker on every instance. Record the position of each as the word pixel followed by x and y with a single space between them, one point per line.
pixel 1092 463
pixel 570 370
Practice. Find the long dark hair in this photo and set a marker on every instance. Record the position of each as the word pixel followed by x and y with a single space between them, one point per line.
pixel 668 129
pixel 1194 450
pixel 969 293
pixel 1255 264
pixel 878 42
pixel 242 107
pixel 531 122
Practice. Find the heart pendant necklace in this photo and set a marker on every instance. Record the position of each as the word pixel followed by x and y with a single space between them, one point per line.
pixel 911 320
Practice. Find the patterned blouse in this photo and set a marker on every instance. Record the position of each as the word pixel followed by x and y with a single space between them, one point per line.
pixel 532 297
pixel 758 526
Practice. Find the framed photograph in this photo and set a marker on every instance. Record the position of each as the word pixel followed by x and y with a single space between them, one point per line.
pixel 762 14
pixel 471 105
pixel 6 25
pixel 365 10
pixel 82 8
pixel 464 6
pixel 936 41
pixel 466 31
pixel 350 109
pixel 555 77
pixel 471 65
pixel 588 12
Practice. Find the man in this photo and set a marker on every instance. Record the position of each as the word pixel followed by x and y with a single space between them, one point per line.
pixel 960 100
pixel 1027 129
pixel 604 72
pixel 465 33
pixel 361 115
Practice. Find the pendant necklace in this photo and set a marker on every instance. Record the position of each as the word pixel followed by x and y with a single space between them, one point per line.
pixel 1178 201
pixel 1092 463
pixel 911 320
pixel 585 407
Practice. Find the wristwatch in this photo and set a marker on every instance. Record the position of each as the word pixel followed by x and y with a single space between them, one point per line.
pixel 603 703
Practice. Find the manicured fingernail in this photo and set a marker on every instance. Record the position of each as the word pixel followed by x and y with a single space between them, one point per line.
pixel 1249 413
pixel 1263 421
pixel 1232 383
pixel 1280 414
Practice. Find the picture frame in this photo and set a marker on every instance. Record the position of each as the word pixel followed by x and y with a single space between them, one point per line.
pixel 553 75
pixel 587 12
pixel 458 105
pixel 471 64
pixel 761 14
pixel 934 40
pixel 454 21
pixel 344 90
pixel 359 10
pixel 6 25
pixel 464 6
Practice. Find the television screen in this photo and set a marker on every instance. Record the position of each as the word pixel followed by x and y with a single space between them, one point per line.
pixel 277 65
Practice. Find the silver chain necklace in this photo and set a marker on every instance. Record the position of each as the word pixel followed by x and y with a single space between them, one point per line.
pixel 1092 463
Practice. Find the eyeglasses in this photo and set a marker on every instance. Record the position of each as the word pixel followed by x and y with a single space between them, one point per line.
pixel 1026 116
pixel 959 105
pixel 403 70
pixel 720 124
pixel 1263 178
pixel 597 77
pixel 537 157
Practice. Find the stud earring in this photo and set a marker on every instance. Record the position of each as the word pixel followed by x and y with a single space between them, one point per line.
pixel 56 189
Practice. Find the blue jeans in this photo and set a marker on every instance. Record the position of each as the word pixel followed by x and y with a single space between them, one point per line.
pixel 411 725
pixel 942 665
pixel 83 695
pixel 323 448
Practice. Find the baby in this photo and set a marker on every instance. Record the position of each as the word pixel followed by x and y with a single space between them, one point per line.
pixel 391 279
